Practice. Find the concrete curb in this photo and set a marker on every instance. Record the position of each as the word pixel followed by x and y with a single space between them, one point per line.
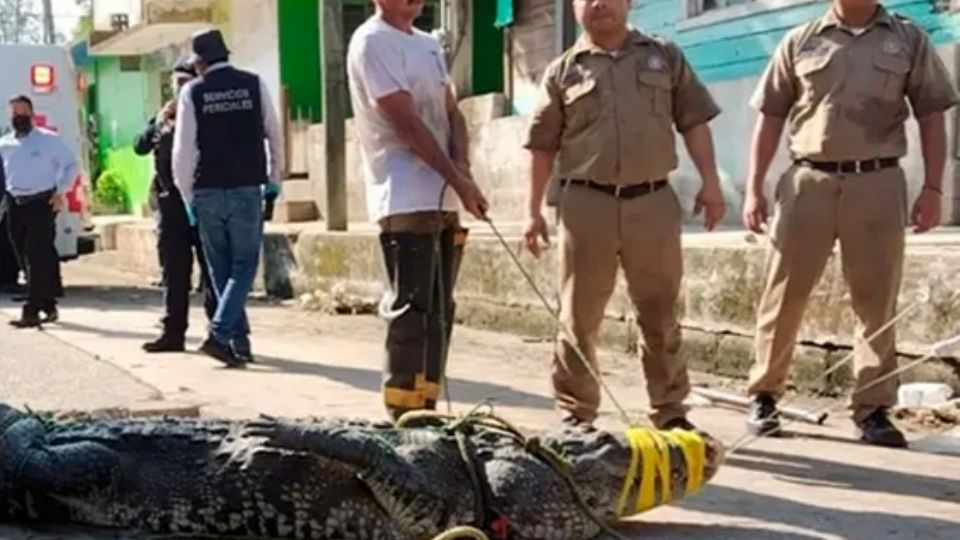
pixel 722 282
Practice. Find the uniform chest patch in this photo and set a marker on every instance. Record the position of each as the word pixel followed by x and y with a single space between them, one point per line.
pixel 891 46
pixel 654 62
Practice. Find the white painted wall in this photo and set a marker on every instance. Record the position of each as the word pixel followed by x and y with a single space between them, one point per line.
pixel 253 39
pixel 103 9
pixel 733 129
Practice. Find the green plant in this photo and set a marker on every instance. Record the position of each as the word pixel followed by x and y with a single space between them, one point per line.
pixel 110 194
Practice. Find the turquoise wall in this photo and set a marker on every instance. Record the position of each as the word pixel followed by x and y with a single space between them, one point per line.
pixel 741 47
pixel 125 101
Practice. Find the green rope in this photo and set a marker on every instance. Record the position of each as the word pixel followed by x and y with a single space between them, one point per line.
pixel 465 425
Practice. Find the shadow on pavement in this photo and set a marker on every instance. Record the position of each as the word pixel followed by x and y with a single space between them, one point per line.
pixel 369 380
pixel 121 297
pixel 806 470
pixel 192 342
pixel 820 518
pixel 672 531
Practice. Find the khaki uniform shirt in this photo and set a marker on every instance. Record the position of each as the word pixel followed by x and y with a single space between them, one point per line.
pixel 843 93
pixel 611 116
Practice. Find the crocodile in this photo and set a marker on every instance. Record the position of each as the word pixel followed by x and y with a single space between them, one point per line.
pixel 326 478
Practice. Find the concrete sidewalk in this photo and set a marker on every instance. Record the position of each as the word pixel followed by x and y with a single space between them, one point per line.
pixel 818 484
pixel 40 370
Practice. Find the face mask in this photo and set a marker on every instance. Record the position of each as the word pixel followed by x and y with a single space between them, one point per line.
pixel 22 123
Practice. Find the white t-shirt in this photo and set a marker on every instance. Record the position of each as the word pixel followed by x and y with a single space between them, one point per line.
pixel 381 60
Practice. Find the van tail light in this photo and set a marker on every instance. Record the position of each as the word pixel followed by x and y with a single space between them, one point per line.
pixel 74 197
pixel 43 78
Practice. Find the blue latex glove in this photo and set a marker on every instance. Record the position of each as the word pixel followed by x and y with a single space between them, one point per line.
pixel 191 216
pixel 271 191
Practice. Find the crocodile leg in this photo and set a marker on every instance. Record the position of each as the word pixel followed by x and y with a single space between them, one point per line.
pixel 401 489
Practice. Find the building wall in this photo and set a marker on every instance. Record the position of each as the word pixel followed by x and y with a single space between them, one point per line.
pixel 487 49
pixel 731 135
pixel 532 44
pixel 737 41
pixel 252 32
pixel 125 101
pixel 729 56
pixel 729 49
pixel 299 41
pixel 103 9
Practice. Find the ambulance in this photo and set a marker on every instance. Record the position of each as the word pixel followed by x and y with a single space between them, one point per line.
pixel 45 73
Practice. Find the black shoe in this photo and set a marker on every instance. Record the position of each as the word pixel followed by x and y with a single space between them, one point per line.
pixel 52 315
pixel 13 288
pixel 244 356
pixel 213 348
pixel 165 344
pixel 877 429
pixel 26 321
pixel 241 350
pixel 681 423
pixel 764 418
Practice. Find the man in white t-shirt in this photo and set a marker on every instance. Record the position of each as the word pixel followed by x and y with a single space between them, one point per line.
pixel 414 147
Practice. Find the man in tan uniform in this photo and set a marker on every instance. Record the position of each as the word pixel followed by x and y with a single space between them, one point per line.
pixel 607 110
pixel 843 83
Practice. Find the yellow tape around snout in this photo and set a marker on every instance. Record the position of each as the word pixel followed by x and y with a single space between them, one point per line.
pixel 650 450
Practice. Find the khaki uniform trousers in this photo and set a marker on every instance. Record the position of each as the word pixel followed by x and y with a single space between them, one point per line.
pixel 643 234
pixel 867 212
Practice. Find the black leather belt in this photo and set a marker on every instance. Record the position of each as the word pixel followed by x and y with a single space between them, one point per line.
pixel 620 192
pixel 21 200
pixel 863 166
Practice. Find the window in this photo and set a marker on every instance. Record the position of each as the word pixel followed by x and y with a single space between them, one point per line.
pixel 129 63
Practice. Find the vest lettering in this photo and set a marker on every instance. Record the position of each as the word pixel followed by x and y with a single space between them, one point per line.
pixel 230 130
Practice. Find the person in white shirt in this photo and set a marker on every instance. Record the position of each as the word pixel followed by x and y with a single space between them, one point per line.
pixel 414 149
pixel 38 167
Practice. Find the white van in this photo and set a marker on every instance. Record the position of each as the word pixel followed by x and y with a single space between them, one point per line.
pixel 45 73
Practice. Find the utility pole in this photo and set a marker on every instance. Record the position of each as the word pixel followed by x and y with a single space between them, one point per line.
pixel 48 28
pixel 334 98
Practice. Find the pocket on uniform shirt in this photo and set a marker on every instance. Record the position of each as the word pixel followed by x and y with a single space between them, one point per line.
pixel 891 71
pixel 655 87
pixel 581 99
pixel 809 69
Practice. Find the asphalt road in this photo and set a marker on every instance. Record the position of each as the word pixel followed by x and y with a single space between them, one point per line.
pixel 817 484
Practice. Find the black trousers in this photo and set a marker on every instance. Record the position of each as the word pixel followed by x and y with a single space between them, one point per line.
pixel 178 244
pixel 421 264
pixel 9 261
pixel 33 232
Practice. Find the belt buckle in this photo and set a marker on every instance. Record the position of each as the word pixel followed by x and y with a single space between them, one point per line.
pixel 616 190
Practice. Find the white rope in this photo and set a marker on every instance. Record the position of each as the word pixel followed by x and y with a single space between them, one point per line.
pixel 938 349
pixel 748 438
pixel 572 341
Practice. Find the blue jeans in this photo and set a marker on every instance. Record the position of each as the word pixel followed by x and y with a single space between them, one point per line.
pixel 231 232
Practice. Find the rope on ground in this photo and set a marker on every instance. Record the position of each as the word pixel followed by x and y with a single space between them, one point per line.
pixel 461 428
pixel 571 339
pixel 936 350
pixel 748 438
